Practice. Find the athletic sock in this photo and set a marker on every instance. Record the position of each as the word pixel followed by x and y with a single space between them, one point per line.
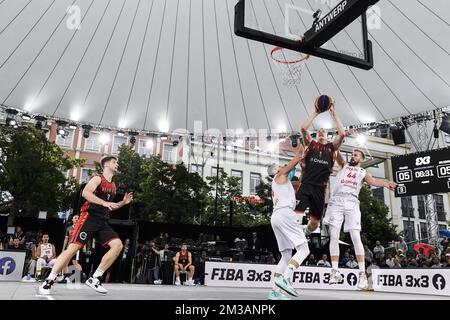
pixel 289 272
pixel 52 276
pixel 98 273
pixel 362 266
pixel 334 265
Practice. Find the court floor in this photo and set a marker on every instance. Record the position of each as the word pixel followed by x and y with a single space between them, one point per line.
pixel 28 291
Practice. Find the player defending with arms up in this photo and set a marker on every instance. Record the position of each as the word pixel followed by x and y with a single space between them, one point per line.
pixel 286 225
pixel 344 206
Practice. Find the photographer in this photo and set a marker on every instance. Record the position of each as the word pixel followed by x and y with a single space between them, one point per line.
pixel 153 263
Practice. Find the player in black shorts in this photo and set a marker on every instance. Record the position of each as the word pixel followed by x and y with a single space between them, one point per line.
pixel 317 165
pixel 99 194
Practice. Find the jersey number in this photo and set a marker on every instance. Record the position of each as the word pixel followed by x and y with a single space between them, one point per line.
pixel 351 175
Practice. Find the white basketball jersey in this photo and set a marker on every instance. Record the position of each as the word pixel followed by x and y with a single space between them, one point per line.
pixel 283 195
pixel 46 250
pixel 349 181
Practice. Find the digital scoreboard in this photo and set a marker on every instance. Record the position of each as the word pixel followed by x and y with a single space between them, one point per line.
pixel 422 173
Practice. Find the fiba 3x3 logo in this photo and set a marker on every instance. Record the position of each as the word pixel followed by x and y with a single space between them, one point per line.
pixel 420 161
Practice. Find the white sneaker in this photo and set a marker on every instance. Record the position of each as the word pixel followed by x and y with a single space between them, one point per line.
pixel 191 282
pixel 45 288
pixel 177 282
pixel 362 282
pixel 96 284
pixel 335 277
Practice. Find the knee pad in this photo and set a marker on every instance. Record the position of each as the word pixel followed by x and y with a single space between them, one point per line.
pixel 301 254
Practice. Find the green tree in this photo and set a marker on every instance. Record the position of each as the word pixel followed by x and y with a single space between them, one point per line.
pixel 32 172
pixel 129 174
pixel 374 220
pixel 262 211
pixel 228 188
pixel 170 193
pixel 128 177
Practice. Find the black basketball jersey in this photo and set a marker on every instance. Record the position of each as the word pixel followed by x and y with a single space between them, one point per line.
pixel 106 191
pixel 318 163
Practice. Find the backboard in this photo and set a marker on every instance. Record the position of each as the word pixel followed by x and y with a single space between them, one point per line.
pixel 331 29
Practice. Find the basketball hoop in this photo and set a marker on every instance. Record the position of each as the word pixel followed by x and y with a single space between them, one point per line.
pixel 290 64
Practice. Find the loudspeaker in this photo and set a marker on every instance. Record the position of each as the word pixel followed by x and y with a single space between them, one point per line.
pixel 445 124
pixel 398 135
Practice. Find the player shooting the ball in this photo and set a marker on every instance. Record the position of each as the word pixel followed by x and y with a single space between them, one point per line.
pixel 317 164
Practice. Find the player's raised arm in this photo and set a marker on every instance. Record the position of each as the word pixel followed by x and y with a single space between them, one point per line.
pixel 379 183
pixel 337 142
pixel 340 159
pixel 305 126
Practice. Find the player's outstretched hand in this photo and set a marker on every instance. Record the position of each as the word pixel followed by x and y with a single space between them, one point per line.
pixel 333 109
pixel 392 185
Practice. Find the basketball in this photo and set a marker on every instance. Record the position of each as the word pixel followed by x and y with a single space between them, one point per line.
pixel 323 103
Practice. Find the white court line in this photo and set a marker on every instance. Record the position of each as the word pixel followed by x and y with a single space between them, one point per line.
pixel 44 296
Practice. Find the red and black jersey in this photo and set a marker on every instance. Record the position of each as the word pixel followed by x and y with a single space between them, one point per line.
pixel 183 258
pixel 106 191
pixel 318 163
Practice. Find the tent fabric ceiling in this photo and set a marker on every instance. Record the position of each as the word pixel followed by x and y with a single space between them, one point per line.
pixel 160 65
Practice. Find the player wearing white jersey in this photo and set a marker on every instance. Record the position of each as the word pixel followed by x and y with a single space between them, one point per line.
pixel 286 225
pixel 344 206
pixel 46 254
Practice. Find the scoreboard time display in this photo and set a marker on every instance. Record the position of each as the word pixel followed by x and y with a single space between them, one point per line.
pixel 422 173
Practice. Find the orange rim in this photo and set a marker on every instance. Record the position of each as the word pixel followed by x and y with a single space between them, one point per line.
pixel 276 49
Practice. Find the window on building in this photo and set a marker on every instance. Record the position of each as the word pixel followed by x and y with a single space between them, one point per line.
pixel 409 229
pixel 423 231
pixel 421 202
pixel 196 168
pixel 378 193
pixel 118 141
pixel 85 177
pixel 92 143
pixel 144 149
pixel 439 207
pixel 214 171
pixel 407 207
pixel 169 153
pixel 237 174
pixel 67 141
pixel 255 180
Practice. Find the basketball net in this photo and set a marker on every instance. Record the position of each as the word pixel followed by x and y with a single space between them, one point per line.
pixel 290 63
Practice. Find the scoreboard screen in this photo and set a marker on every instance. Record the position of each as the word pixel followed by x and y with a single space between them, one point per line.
pixel 422 173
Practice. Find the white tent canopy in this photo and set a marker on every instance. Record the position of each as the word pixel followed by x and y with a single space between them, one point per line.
pixel 160 65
